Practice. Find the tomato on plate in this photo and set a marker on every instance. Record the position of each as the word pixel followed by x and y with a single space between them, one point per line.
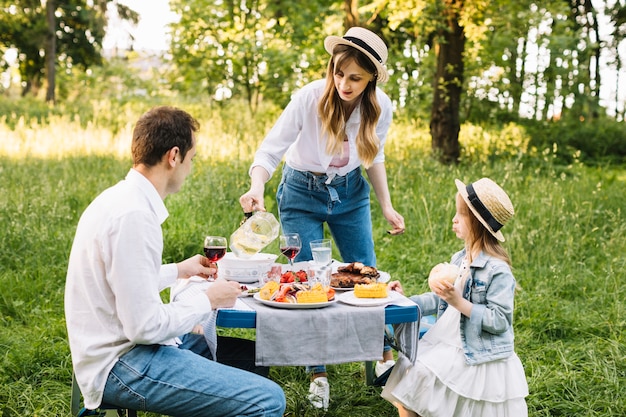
pixel 330 293
pixel 290 276
pixel 301 276
pixel 287 277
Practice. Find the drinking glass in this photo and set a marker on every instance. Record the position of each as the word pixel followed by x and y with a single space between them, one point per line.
pixel 215 249
pixel 290 245
pixel 320 273
pixel 276 270
pixel 321 250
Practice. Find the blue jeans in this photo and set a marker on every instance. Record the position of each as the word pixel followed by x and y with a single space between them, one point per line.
pixel 181 381
pixel 306 202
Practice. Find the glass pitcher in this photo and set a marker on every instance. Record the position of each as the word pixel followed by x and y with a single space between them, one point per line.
pixel 258 231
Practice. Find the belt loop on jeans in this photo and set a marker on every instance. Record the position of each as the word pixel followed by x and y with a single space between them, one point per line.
pixel 334 196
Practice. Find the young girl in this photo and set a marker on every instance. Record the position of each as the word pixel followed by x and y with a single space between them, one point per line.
pixel 466 364
pixel 326 133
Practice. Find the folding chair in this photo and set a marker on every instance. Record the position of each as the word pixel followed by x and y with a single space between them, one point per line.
pixel 103 411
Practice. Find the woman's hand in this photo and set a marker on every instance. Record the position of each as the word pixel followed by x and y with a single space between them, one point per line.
pixel 378 178
pixel 396 221
pixel 253 199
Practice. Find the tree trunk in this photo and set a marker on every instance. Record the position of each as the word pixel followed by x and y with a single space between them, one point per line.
pixel 518 67
pixel 352 13
pixel 444 123
pixel 50 50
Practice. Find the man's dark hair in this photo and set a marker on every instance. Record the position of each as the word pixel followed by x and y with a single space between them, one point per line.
pixel 159 130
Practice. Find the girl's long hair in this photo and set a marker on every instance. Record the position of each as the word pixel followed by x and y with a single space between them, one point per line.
pixel 480 238
pixel 333 116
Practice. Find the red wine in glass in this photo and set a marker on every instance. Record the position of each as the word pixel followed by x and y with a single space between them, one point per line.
pixel 215 248
pixel 290 245
pixel 215 253
pixel 290 251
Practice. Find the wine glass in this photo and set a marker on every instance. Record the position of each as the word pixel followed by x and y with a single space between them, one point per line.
pixel 290 245
pixel 215 249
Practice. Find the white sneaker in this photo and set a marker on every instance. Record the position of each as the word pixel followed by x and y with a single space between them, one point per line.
pixel 319 392
pixel 382 367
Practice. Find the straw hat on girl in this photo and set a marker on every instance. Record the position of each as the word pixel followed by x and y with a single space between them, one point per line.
pixel 367 42
pixel 489 203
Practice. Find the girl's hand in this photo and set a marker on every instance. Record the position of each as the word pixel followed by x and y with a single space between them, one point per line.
pixel 452 296
pixel 446 291
pixel 395 286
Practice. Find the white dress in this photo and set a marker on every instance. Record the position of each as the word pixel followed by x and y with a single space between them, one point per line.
pixel 441 384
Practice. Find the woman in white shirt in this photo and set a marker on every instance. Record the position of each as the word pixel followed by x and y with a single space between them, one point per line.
pixel 329 129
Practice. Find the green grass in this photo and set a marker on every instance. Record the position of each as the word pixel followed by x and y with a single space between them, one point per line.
pixel 567 241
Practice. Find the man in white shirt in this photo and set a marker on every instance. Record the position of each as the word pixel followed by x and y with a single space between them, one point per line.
pixel 129 349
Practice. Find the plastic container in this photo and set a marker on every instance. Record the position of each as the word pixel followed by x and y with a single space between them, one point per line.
pixel 254 234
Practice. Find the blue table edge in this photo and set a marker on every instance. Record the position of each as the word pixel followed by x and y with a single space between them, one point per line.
pixel 246 319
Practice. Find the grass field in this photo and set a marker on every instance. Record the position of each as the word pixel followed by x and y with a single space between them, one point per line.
pixel 567 243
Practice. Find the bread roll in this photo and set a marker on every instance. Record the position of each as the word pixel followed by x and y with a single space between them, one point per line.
pixel 443 272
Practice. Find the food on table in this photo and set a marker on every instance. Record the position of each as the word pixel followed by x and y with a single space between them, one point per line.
pixel 290 276
pixel 348 276
pixel 374 290
pixel 359 268
pixel 443 272
pixel 296 292
pixel 268 289
pixel 314 295
pixel 249 290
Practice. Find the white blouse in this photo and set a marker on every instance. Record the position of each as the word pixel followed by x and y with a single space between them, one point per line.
pixel 297 135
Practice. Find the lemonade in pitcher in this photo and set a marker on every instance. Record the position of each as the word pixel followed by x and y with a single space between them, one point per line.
pixel 254 234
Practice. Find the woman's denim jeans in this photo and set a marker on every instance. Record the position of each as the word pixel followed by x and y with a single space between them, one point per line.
pixel 181 381
pixel 306 202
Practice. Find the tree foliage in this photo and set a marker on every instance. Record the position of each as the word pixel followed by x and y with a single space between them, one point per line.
pixel 450 60
pixel 255 49
pixel 78 28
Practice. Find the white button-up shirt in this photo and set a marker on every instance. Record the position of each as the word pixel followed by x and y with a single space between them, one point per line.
pixel 114 279
pixel 298 133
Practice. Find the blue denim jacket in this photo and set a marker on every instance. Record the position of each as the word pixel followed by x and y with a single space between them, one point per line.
pixel 488 333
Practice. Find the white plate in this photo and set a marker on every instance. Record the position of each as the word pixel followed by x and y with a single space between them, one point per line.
pixel 350 298
pixel 292 306
pixel 250 291
pixel 242 280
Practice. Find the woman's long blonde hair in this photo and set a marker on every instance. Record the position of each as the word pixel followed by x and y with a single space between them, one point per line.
pixel 480 238
pixel 333 116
